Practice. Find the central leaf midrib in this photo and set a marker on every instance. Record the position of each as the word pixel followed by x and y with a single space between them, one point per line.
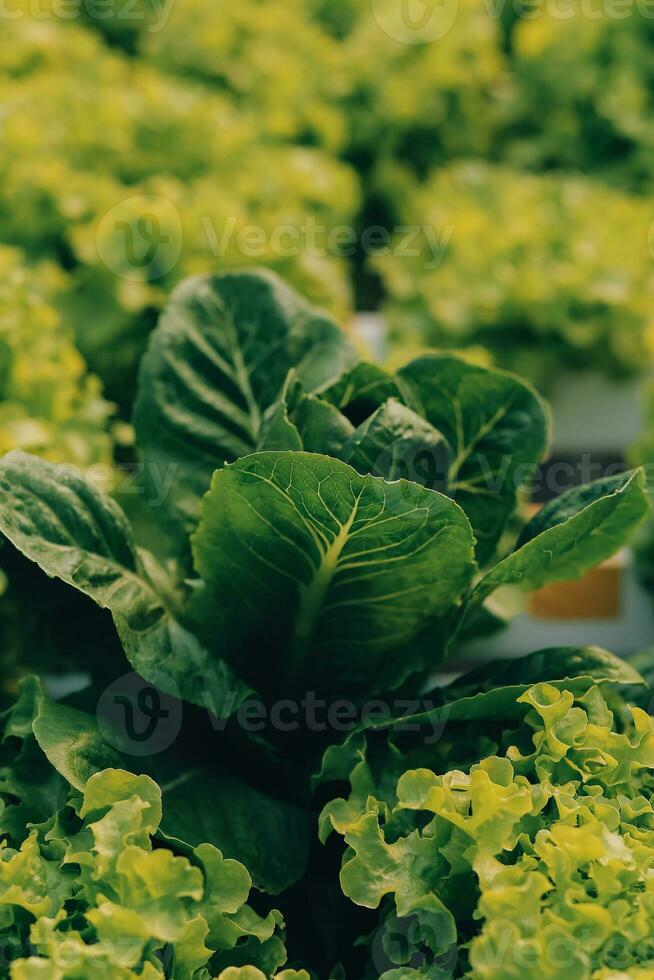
pixel 312 595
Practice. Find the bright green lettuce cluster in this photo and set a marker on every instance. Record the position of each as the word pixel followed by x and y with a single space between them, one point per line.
pixel 531 863
pixel 535 300
pixel 49 404
pixel 89 887
pixel 107 903
pixel 583 91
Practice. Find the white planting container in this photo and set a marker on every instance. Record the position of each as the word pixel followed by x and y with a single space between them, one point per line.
pixel 592 414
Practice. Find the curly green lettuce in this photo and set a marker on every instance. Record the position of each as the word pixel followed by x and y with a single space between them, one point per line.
pixel 480 279
pixel 533 863
pixel 582 97
pixel 49 404
pixel 89 884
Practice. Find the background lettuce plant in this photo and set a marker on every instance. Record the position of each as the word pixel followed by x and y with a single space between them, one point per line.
pixel 535 306
pixel 79 194
pixel 50 405
pixel 583 93
pixel 284 115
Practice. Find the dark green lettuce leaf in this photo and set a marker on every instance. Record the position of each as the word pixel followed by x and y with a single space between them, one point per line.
pixel 490 692
pixel 316 576
pixel 361 391
pixel 496 426
pixel 301 421
pixel 396 443
pixel 271 837
pixel 31 788
pixel 217 360
pixel 575 667
pixel 80 535
pixel 572 534
pixel 72 742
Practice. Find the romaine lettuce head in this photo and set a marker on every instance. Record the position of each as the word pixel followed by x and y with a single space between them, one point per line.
pixel 308 522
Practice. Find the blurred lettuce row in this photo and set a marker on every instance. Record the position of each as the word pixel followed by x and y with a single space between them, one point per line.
pixel 555 88
pixel 49 404
pixel 531 863
pixel 272 58
pixel 203 136
pixel 544 271
pixel 90 887
pixel 151 179
pixel 584 91
pixel 335 75
pixel 418 105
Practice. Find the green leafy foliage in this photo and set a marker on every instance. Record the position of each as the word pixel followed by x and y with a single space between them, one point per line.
pixel 84 890
pixel 273 59
pixel 57 519
pixel 500 866
pixel 426 93
pixel 583 93
pixel 537 305
pixel 373 571
pixel 49 404
pixel 576 531
pixel 363 570
pixel 349 582
pixel 497 431
pixel 329 531
pixel 217 362
pixel 294 120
